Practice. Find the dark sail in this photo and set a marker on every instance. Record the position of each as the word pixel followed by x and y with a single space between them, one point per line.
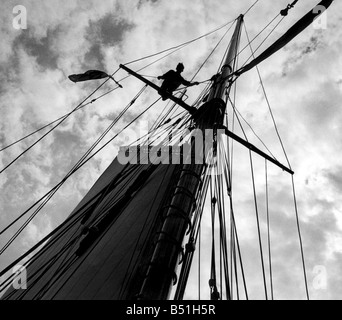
pixel 95 255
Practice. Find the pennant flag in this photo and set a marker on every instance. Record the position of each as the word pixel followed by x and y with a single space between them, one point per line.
pixel 89 75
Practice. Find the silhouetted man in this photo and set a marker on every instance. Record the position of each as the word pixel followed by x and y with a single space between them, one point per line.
pixel 173 79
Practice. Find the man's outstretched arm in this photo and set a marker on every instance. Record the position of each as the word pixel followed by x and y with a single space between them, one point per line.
pixel 189 84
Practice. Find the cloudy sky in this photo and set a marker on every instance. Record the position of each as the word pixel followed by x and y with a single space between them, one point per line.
pixel 303 83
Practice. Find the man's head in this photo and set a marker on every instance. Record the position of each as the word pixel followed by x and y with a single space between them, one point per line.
pixel 180 67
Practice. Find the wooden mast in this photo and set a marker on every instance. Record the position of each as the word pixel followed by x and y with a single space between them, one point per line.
pixel 161 268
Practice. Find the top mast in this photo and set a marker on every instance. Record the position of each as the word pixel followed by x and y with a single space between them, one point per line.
pixel 221 80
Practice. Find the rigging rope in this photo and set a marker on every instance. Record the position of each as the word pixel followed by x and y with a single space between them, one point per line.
pixel 184 44
pixel 250 8
pixel 253 131
pixel 249 44
pixel 80 163
pixel 58 228
pixel 268 231
pixel 103 192
pixel 227 162
pixel 260 32
pixel 269 105
pixel 228 179
pixel 211 53
pixel 70 172
pixel 214 295
pixel 258 225
pixel 60 118
pixel 190 41
pixel 68 227
pixel 218 193
pixel 63 118
pixel 223 231
pixel 57 125
pixel 300 239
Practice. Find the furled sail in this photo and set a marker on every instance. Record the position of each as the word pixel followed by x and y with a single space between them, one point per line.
pixel 293 32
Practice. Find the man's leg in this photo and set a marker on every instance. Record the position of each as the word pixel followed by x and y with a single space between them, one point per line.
pixel 163 90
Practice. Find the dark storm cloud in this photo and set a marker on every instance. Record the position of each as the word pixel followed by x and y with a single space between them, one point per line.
pixel 108 31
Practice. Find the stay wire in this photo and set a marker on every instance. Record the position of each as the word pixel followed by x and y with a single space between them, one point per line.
pixel 230 195
pixel 49 195
pixel 175 49
pixel 269 105
pixel 58 228
pixel 234 237
pixel 196 230
pixel 207 59
pixel 228 169
pixel 180 45
pixel 253 131
pixel 269 34
pixel 56 277
pixel 150 136
pixel 70 244
pixel 229 181
pixel 212 282
pixel 89 204
pixel 240 124
pixel 250 8
pixel 224 220
pixel 66 223
pixel 235 246
pixel 57 125
pixel 60 118
pixel 211 53
pixel 223 229
pixel 268 230
pixel 258 224
pixel 55 235
pixel 300 239
pixel 105 211
pixel 79 214
pixel 256 36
